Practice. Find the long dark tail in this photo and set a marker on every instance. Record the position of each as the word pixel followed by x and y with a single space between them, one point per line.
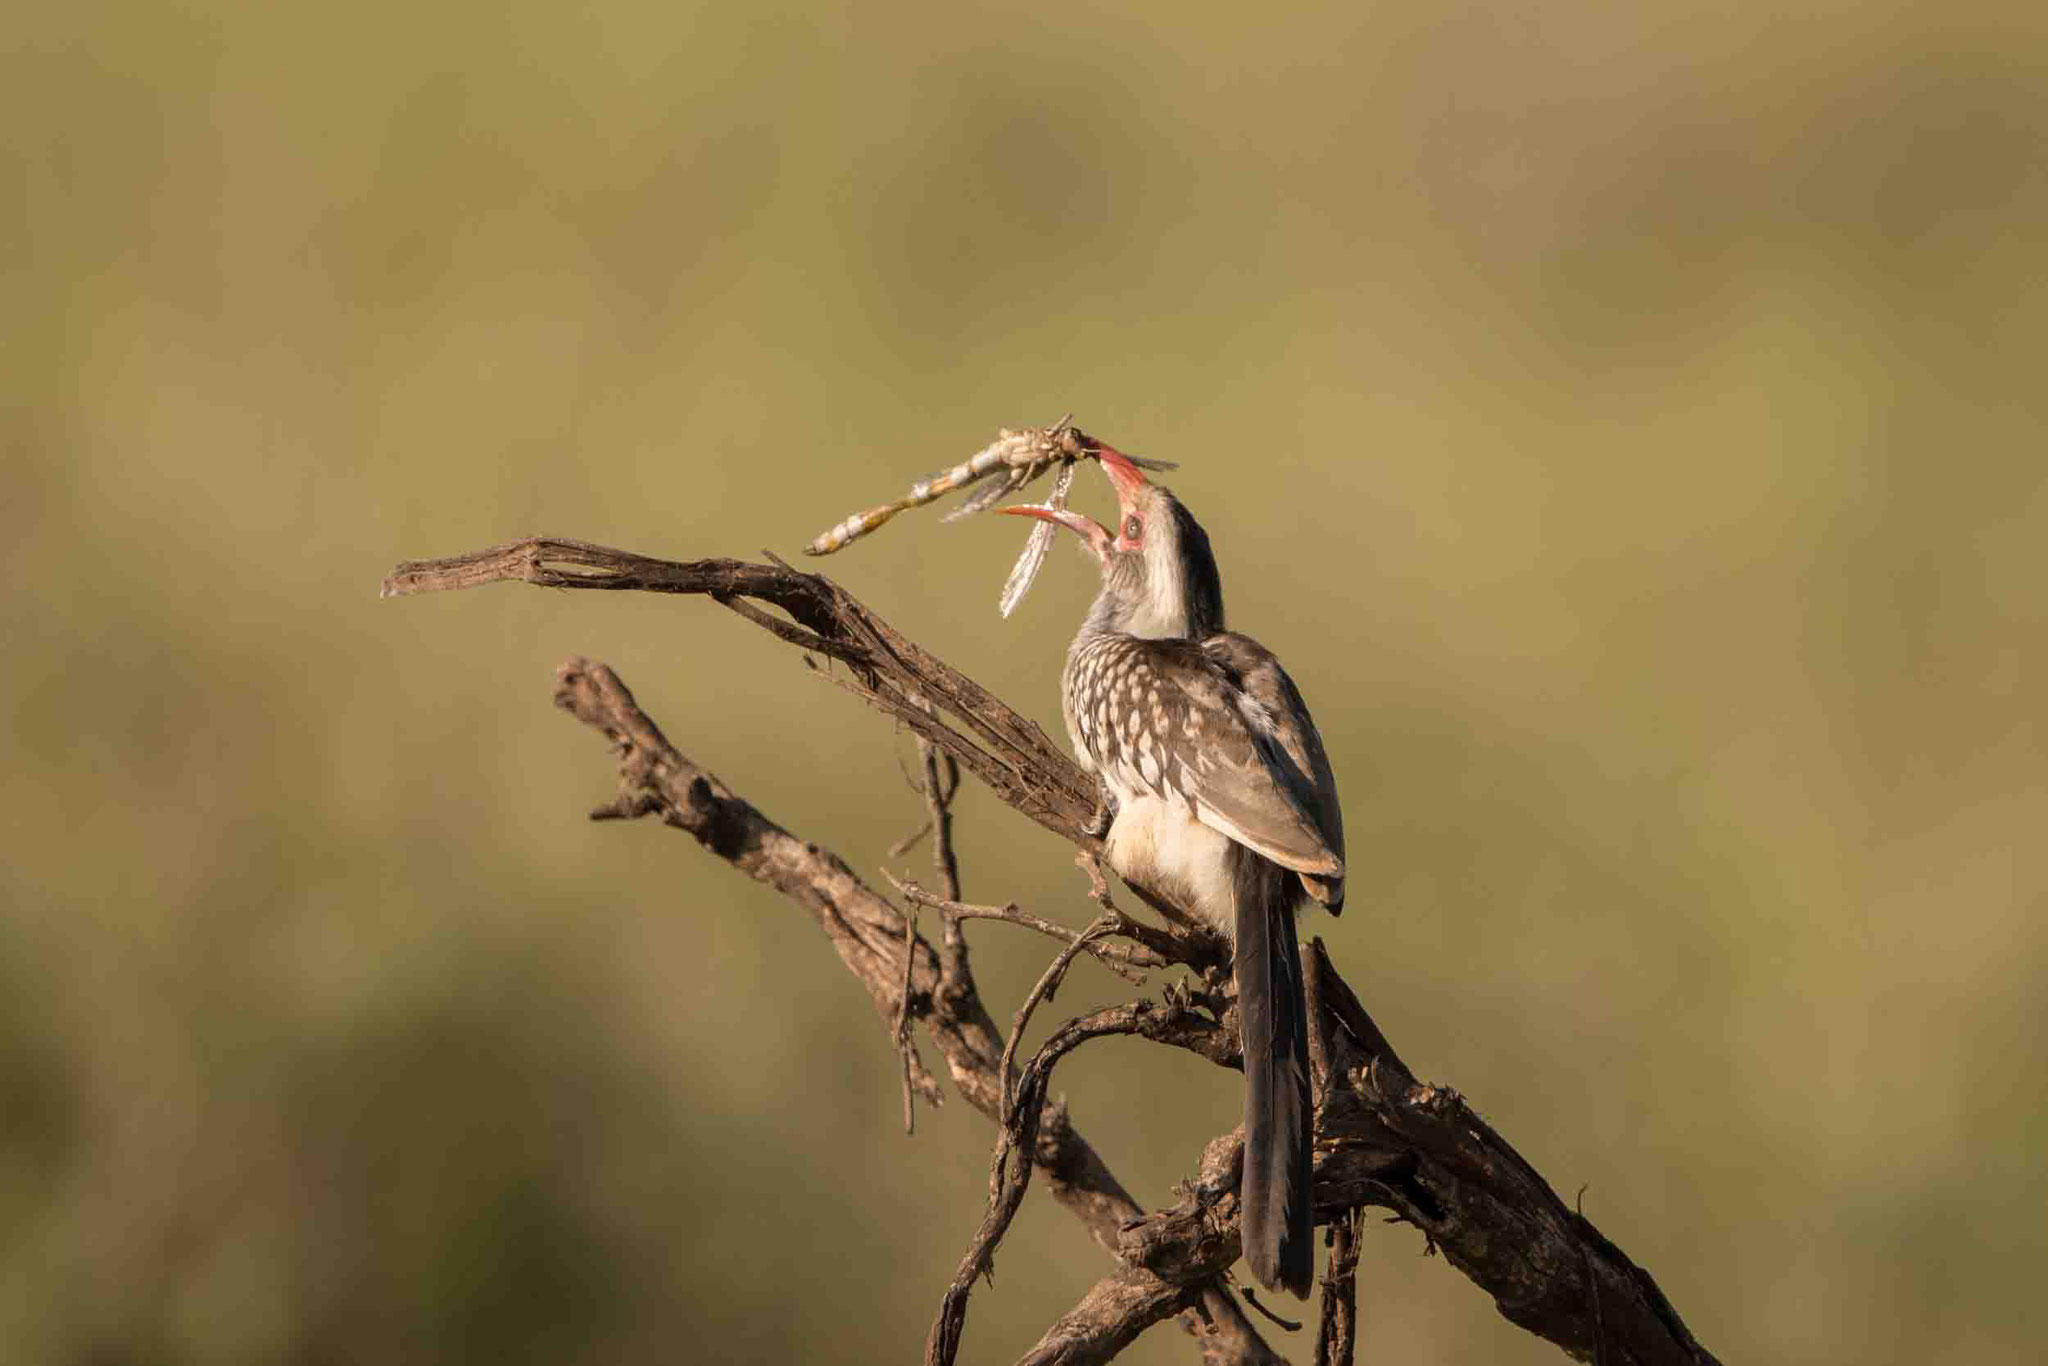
pixel 1278 1220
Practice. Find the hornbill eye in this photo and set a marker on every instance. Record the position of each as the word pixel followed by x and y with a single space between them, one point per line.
pixel 1133 528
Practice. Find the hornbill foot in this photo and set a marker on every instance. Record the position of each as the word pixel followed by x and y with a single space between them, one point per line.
pixel 1208 1191
pixel 1104 814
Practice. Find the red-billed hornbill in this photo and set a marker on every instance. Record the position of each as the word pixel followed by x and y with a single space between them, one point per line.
pixel 1223 802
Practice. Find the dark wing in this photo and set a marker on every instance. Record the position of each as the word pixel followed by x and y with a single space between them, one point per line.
pixel 1198 734
pixel 1306 767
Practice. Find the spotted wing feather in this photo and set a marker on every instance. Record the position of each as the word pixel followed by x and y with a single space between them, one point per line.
pixel 1170 718
pixel 1304 765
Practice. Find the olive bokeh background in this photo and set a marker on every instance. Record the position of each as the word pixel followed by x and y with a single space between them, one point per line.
pixel 1626 420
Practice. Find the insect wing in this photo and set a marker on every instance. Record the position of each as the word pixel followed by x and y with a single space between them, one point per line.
pixel 1036 545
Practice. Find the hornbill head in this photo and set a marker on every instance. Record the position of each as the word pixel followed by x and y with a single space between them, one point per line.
pixel 1159 576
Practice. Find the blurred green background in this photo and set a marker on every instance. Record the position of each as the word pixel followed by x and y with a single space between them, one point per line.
pixel 1627 421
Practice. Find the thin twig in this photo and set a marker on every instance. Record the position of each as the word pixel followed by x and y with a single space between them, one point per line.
pixel 1197 950
pixel 1337 1335
pixel 1121 959
pixel 1188 941
pixel 939 820
pixel 909 841
pixel 1010 1179
pixel 1048 983
pixel 1252 1299
pixel 903 1044
pixel 938 795
pixel 941 786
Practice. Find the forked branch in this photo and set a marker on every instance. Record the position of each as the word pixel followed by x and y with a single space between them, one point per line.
pixel 1383 1139
pixel 869 935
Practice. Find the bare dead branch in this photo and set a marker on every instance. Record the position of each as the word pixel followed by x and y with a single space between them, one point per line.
pixel 1109 1318
pixel 868 933
pixel 1009 1179
pixel 890 671
pixel 1337 1335
pixel 1122 959
pixel 656 780
pixel 1479 1201
pixel 1383 1138
pixel 904 1046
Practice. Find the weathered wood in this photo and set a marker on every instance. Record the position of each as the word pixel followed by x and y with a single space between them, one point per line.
pixel 1383 1139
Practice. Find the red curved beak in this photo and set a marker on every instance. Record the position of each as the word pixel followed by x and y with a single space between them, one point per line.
pixel 1125 476
pixel 1087 528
